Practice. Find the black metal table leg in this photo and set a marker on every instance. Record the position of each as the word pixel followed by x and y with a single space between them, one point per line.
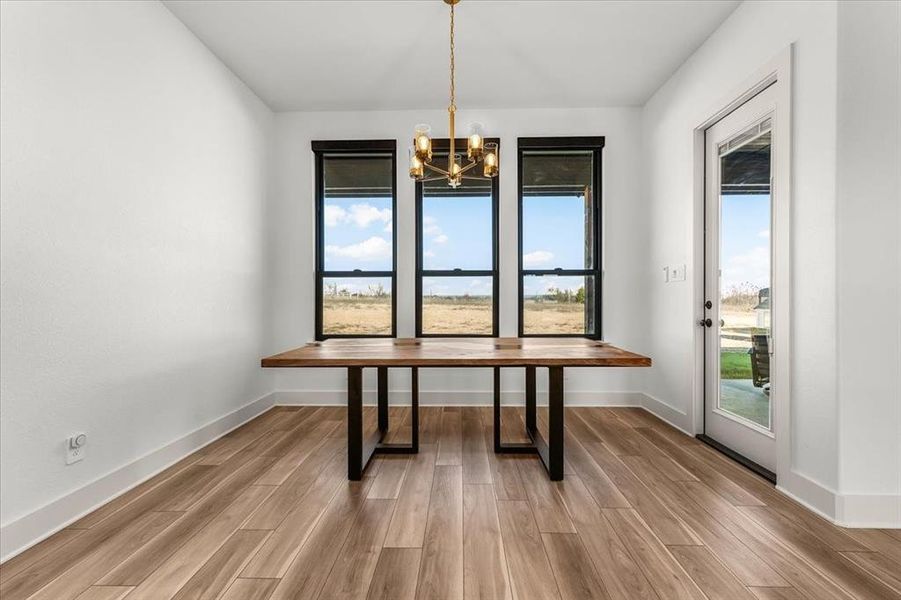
pixel 551 451
pixel 414 418
pixel 498 446
pixel 355 423
pixel 383 399
pixel 360 448
pixel 531 425
pixel 554 463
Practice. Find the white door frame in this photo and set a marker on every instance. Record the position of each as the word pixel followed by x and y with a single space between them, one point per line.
pixel 776 72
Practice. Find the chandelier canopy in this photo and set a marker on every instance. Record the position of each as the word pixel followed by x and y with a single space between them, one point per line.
pixel 478 151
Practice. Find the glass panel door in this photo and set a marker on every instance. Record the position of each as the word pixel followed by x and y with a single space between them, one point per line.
pixel 738 407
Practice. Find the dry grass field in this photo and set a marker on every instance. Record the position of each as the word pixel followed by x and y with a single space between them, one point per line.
pixel 553 317
pixel 368 315
pixel 456 315
pixel 356 315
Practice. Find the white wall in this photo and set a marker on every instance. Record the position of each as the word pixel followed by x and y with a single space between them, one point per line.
pixel 293 239
pixel 747 40
pixel 868 218
pixel 133 191
pixel 845 331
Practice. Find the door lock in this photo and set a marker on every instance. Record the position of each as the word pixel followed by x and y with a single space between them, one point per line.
pixel 705 323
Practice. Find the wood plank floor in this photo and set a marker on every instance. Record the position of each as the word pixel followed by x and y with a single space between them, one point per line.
pixel 644 512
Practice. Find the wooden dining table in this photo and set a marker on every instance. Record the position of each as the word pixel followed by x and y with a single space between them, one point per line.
pixel 552 353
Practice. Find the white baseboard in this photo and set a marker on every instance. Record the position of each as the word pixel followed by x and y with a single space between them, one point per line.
pixel 878 511
pixel 453 398
pixel 812 494
pixel 672 415
pixel 872 511
pixel 19 535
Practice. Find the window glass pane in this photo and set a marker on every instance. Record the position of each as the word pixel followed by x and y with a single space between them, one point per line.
pixel 457 305
pixel 356 306
pixel 745 270
pixel 557 209
pixel 457 225
pixel 558 304
pixel 356 213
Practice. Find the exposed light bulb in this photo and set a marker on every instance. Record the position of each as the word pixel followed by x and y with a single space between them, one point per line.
pixel 475 141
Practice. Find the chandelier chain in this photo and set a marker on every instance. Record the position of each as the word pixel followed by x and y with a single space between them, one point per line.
pixel 452 85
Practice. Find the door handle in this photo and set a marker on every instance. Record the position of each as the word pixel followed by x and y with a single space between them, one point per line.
pixel 705 323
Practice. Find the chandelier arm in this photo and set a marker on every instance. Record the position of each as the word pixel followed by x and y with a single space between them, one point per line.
pixel 435 178
pixel 472 164
pixel 436 169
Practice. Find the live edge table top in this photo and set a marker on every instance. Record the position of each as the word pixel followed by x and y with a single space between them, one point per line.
pixel 457 352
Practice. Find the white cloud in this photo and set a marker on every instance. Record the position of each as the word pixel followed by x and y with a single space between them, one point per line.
pixel 764 233
pixel 365 214
pixel 751 267
pixel 334 215
pixel 375 248
pixel 430 226
pixel 361 215
pixel 429 254
pixel 537 258
pixel 388 228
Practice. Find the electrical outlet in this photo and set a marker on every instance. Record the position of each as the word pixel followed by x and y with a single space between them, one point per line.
pixel 75 448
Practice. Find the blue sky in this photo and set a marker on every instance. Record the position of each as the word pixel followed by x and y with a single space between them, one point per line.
pixel 745 240
pixel 553 232
pixel 456 234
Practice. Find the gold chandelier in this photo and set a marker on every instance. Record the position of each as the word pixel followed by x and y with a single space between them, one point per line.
pixel 477 150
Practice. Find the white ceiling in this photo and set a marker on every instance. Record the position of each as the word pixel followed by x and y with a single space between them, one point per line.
pixel 358 55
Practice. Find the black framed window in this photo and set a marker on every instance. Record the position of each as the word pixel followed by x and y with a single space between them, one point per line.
pixel 356 239
pixel 456 253
pixel 560 236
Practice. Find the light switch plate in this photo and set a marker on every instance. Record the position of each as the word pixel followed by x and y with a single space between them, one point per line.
pixel 677 273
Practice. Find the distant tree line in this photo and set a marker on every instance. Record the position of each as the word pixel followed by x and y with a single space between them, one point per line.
pixel 742 296
pixel 562 296
pixel 374 291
